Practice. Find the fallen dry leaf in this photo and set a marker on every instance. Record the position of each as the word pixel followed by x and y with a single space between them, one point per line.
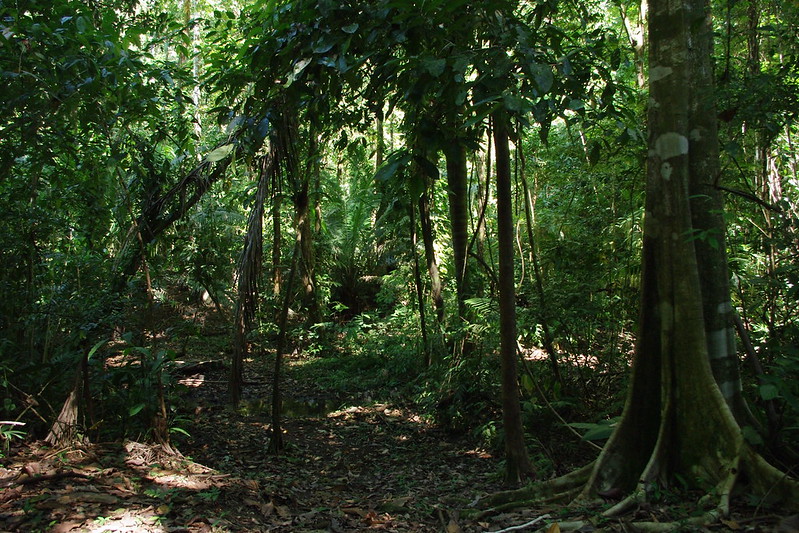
pixel 65 527
pixel 453 527
pixel 732 524
pixel 87 497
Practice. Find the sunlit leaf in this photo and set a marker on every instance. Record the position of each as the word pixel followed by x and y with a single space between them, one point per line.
pixel 219 153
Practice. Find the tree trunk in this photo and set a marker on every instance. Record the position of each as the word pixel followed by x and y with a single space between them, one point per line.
pixel 543 307
pixel 430 255
pixel 455 154
pixel 276 441
pixel 417 277
pixel 248 275
pixel 277 200
pixel 64 431
pixel 709 229
pixel 380 144
pixel 304 226
pixel 636 33
pixel 518 464
pixel 483 197
pixel 676 423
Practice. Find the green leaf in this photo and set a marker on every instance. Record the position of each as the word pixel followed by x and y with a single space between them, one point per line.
pixel 415 186
pixel 299 66
pixel 752 436
pixel 599 431
pixel 324 44
pixel 350 28
pixel 219 153
pixel 513 103
pixel 527 383
pixel 428 167
pixel 434 66
pixel 595 153
pixel 543 77
pixel 136 409
pixel 393 163
pixel 82 24
pixel 769 392
pixel 576 104
pixel 95 348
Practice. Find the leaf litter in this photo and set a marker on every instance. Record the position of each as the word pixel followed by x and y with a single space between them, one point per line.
pixel 368 467
pixel 359 468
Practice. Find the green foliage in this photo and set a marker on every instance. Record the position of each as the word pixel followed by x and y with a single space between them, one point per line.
pixel 781 386
pixel 468 399
pixel 128 396
pixel 102 116
pixel 597 431
pixel 9 430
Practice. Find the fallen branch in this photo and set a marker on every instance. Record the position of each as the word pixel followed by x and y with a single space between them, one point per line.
pixel 44 477
pixel 522 526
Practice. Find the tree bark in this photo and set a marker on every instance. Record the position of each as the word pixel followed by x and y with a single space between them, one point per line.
pixel 417 277
pixel 276 441
pixel 455 154
pixel 248 275
pixel 277 232
pixel 518 464
pixel 304 226
pixel 676 422
pixel 430 255
pixel 707 218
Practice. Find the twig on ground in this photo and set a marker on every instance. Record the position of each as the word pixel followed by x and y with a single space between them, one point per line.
pixel 522 526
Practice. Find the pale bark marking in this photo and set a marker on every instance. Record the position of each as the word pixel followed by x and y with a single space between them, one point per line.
pixel 728 389
pixel 665 170
pixel 658 73
pixel 671 145
pixel 718 340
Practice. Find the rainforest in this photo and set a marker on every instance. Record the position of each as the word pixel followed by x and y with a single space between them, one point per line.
pixel 401 265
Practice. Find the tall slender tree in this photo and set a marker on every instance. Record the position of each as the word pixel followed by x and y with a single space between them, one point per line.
pixel 518 464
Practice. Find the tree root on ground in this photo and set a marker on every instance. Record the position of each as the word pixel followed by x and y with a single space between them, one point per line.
pixel 760 477
pixel 561 489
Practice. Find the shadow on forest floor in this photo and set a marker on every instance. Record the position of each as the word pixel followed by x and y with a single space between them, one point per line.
pixel 349 466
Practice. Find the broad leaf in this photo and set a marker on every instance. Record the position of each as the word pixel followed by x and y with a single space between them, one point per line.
pixel 219 154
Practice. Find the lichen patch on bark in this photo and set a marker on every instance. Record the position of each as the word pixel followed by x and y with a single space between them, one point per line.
pixel 670 145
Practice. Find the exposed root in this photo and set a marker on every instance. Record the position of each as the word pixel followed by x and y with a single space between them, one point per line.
pixel 632 501
pixel 561 489
pixel 749 462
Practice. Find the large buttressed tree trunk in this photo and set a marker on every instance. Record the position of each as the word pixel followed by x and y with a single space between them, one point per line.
pixel 709 231
pixel 676 421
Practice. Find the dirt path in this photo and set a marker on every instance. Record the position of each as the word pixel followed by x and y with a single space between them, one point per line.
pixel 350 469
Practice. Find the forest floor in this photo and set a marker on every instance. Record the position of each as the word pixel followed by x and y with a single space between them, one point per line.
pixel 349 465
